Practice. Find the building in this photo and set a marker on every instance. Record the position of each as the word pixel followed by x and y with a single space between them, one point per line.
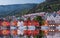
pixel 53 23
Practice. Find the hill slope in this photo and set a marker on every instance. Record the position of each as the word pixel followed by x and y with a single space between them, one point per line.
pixel 6 10
pixel 51 5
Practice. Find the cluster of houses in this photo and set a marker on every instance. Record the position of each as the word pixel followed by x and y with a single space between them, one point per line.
pixel 28 27
pixel 52 23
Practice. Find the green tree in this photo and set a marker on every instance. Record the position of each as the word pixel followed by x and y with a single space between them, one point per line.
pixel 40 20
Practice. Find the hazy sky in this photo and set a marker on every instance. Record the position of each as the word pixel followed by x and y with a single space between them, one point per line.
pixel 7 2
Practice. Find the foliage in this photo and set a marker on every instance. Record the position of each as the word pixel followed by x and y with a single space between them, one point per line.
pixel 40 20
pixel 46 5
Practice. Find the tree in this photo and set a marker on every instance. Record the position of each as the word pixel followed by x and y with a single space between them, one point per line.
pixel 41 22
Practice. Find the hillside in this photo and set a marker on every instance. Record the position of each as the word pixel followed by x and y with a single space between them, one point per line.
pixel 47 6
pixel 8 10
